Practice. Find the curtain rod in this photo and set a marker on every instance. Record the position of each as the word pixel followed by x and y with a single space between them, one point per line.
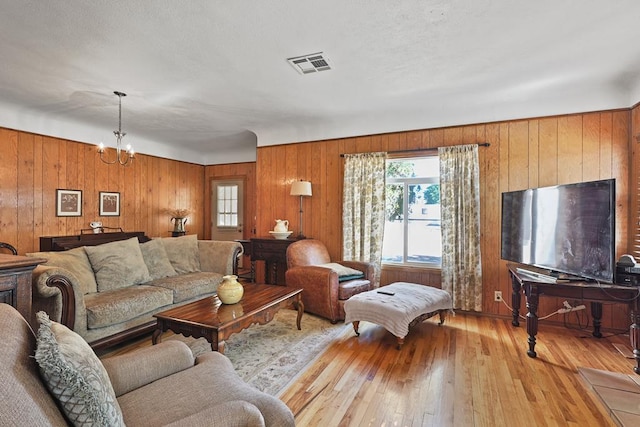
pixel 480 144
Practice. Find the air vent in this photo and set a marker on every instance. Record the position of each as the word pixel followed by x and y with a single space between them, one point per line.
pixel 311 63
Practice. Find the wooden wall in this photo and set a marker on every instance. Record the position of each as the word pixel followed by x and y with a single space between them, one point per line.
pixel 34 166
pixel 523 154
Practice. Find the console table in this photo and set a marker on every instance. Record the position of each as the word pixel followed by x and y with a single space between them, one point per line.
pixel 63 243
pixel 274 253
pixel 595 293
pixel 15 281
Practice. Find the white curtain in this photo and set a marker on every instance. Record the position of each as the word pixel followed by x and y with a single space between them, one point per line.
pixel 460 214
pixel 363 209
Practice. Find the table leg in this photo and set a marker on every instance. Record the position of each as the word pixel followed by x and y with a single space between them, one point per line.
pixel 515 302
pixel 532 321
pixel 157 336
pixel 355 327
pixel 299 305
pixel 634 333
pixel 596 313
pixel 217 342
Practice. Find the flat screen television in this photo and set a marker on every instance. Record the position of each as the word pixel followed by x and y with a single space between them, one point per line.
pixel 566 229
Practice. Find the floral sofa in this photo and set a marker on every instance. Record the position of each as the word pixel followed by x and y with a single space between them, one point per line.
pixel 57 380
pixel 109 292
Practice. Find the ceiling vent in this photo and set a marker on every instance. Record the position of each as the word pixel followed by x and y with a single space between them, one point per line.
pixel 311 63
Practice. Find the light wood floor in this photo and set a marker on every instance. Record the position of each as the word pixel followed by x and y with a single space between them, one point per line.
pixel 471 371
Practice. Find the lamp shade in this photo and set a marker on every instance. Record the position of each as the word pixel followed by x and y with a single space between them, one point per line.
pixel 301 188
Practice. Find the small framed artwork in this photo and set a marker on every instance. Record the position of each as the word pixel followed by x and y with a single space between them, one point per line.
pixel 68 202
pixel 109 204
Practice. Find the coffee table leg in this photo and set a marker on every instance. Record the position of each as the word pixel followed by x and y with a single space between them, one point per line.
pixel 217 342
pixel 157 336
pixel 355 327
pixel 299 305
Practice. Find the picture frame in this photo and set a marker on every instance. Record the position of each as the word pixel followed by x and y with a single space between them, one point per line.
pixel 109 203
pixel 68 202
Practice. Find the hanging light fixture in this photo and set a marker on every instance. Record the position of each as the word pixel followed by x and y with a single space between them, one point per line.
pixel 122 156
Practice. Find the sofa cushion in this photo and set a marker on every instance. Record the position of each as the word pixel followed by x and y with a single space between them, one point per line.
pixel 156 259
pixel 352 287
pixel 75 376
pixel 183 253
pixel 76 262
pixel 119 305
pixel 118 264
pixel 190 285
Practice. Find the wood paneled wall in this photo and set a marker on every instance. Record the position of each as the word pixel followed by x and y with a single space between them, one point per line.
pixel 523 154
pixel 34 166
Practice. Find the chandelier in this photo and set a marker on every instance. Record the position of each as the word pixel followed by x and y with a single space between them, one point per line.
pixel 122 156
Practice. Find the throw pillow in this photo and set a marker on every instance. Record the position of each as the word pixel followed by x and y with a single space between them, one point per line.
pixel 76 261
pixel 183 253
pixel 75 376
pixel 118 264
pixel 156 258
pixel 342 270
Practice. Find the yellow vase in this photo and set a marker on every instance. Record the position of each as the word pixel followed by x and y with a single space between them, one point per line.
pixel 230 290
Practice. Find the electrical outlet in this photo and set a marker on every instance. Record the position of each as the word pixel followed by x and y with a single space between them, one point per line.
pixel 497 296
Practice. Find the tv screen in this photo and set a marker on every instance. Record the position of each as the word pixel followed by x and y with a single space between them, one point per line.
pixel 565 228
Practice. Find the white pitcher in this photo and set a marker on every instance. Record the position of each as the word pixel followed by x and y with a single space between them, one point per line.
pixel 282 226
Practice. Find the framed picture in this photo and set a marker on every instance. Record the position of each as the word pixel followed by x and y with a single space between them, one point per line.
pixel 68 202
pixel 109 204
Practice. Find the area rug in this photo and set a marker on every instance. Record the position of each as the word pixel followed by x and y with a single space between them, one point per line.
pixel 271 356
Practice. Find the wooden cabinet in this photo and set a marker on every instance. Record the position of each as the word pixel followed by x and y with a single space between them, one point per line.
pixel 15 281
pixel 274 253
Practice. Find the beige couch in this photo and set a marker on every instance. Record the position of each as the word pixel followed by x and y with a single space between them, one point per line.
pixel 153 386
pixel 109 292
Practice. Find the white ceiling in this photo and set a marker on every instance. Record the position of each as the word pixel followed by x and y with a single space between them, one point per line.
pixel 208 81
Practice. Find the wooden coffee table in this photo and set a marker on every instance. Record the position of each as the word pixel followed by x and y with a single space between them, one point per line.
pixel 209 318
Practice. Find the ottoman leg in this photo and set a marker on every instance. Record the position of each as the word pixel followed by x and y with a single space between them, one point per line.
pixel 355 327
pixel 400 342
pixel 442 314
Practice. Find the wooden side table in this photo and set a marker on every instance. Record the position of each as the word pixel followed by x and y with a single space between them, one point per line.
pixel 15 281
pixel 274 253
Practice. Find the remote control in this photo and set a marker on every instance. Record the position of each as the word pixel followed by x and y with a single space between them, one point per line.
pixel 386 293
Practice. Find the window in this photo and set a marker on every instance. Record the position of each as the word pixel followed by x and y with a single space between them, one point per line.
pixel 412 226
pixel 227 206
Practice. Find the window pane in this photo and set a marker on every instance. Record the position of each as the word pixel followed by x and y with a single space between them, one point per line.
pixel 412 209
pixel 393 243
pixel 227 205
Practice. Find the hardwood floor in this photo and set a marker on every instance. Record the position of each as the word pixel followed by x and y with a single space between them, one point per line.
pixel 471 371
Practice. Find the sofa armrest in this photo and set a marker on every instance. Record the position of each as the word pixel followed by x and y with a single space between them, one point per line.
pixel 135 369
pixel 54 291
pixel 321 283
pixel 232 413
pixel 219 256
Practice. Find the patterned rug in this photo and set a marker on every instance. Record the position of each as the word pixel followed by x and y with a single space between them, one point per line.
pixel 271 356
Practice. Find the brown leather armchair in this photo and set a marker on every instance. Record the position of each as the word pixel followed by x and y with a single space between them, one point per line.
pixel 324 292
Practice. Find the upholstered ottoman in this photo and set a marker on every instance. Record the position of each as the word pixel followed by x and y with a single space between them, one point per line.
pixel 397 307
